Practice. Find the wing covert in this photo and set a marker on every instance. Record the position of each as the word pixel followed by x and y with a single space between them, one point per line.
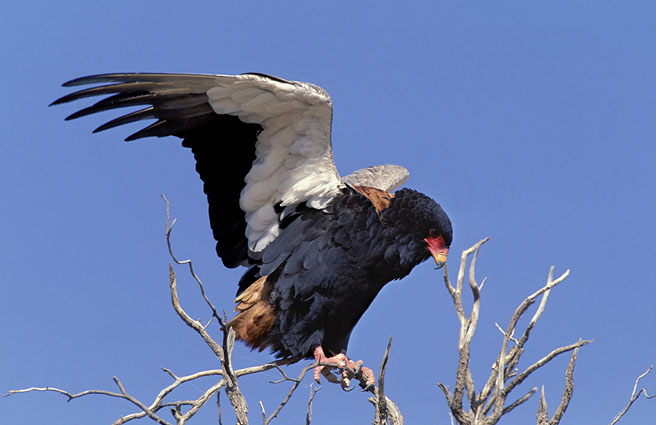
pixel 384 177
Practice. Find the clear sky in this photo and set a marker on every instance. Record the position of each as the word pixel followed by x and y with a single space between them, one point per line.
pixel 530 123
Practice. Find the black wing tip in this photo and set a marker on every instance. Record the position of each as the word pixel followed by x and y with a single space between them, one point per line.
pixel 78 114
pixel 130 138
pixel 99 78
pixel 89 79
pixel 65 99
pixel 124 77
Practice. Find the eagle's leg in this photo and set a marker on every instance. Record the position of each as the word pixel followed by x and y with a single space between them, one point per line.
pixel 348 369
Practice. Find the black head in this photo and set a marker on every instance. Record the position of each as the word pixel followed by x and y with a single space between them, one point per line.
pixel 421 224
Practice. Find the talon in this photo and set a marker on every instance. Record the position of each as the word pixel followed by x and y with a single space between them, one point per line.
pixel 330 376
pixel 346 383
pixel 348 369
pixel 320 357
pixel 347 388
pixel 368 387
pixel 370 382
pixel 357 367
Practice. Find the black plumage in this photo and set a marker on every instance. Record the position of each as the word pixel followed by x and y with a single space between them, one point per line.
pixel 328 267
pixel 316 266
pixel 222 162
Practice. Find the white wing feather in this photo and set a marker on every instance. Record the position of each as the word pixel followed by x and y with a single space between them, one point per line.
pixel 293 156
pixel 294 161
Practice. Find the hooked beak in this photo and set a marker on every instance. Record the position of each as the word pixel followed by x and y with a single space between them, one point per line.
pixel 440 257
pixel 437 250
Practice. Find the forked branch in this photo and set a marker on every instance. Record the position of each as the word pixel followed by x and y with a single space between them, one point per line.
pixel 226 377
pixel 491 403
pixel 634 396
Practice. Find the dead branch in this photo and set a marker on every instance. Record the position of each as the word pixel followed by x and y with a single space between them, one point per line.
pixel 542 414
pixel 634 396
pixel 381 403
pixel 485 407
pixel 296 383
pixel 385 410
pixel 313 392
pixel 169 229
pixel 183 410
pixel 490 404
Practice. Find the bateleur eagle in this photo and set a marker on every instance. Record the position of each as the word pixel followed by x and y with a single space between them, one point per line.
pixel 318 247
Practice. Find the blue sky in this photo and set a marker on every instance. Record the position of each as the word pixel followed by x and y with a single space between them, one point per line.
pixel 530 123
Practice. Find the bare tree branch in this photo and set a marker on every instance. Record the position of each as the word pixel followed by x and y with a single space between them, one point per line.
pixel 381 411
pixel 542 414
pixel 169 229
pixel 485 407
pixel 293 388
pixel 568 391
pixel 519 401
pixel 488 406
pixel 313 392
pixel 634 396
pixel 227 376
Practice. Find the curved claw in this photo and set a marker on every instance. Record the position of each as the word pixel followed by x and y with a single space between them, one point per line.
pixel 323 370
pixel 348 369
pixel 368 387
pixel 348 388
pixel 357 367
pixel 368 374
pixel 341 360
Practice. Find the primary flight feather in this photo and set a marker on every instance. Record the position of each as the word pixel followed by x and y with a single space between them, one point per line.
pixel 318 247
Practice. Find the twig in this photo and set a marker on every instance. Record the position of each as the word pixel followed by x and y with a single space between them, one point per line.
pixel 543 361
pixel 542 413
pixel 511 337
pixel 169 229
pixel 568 391
pixel 519 401
pixel 227 376
pixel 218 405
pixel 488 406
pixel 381 402
pixel 313 392
pixel 194 324
pixel 293 388
pixel 385 410
pixel 233 392
pixel 634 396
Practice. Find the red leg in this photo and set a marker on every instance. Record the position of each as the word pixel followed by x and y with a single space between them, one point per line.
pixel 347 368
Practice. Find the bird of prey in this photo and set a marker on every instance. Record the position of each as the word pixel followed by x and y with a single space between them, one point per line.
pixel 318 247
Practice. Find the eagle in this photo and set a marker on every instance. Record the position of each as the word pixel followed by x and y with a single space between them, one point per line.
pixel 317 247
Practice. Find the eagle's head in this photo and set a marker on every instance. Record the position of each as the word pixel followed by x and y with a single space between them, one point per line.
pixel 421 227
pixel 438 232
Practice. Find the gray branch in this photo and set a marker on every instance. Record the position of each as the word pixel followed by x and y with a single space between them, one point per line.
pixel 634 396
pixel 491 403
pixel 183 410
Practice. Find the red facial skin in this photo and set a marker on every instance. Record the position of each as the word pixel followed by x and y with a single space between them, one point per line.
pixel 437 249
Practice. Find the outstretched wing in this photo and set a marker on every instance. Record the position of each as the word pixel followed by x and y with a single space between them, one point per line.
pixel 261 143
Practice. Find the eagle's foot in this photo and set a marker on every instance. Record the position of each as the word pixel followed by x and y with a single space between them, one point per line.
pixel 348 370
